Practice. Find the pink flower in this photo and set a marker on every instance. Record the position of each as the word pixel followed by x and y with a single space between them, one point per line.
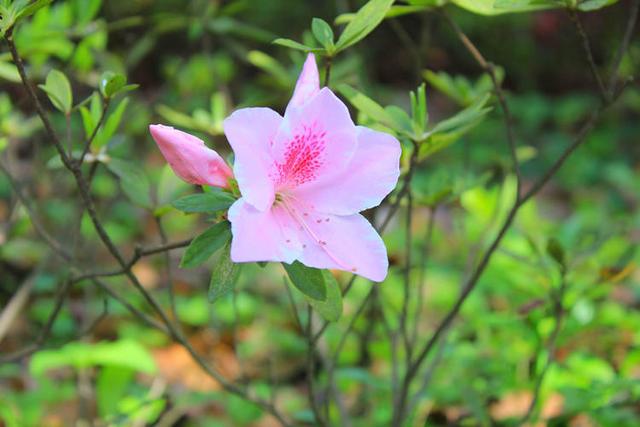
pixel 305 177
pixel 190 159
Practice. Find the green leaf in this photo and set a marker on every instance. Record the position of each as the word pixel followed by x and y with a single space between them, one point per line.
pixel 556 251
pixel 323 33
pixel 123 353
pixel 364 104
pixel 206 244
pixel 33 8
pixel 365 21
pixel 331 308
pixel 111 83
pixel 224 275
pixel 133 181
pixel 497 7
pixel 110 125
pixel 9 72
pixel 58 89
pixel 310 281
pixel 4 143
pixel 292 44
pixel 213 201
pixel 589 5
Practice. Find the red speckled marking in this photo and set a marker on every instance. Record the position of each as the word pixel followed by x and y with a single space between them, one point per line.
pixel 303 157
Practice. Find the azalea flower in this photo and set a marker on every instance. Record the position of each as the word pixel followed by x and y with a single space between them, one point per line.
pixel 304 179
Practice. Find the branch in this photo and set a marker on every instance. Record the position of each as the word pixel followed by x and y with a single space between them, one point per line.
pixel 586 45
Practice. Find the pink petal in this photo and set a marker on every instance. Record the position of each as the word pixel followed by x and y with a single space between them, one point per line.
pixel 262 235
pixel 308 83
pixel 372 174
pixel 250 132
pixel 346 243
pixel 189 158
pixel 315 142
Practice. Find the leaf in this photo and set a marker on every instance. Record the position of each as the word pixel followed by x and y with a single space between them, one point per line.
pixel 213 201
pixel 206 244
pixel 364 104
pixel 331 308
pixel 589 5
pixel 366 20
pixel 497 7
pixel 111 83
pixel 323 33
pixel 224 275
pixel 33 8
pixel 133 181
pixel 394 12
pixel 123 353
pixel 9 72
pixel 292 44
pixel 556 251
pixel 58 89
pixel 310 281
pixel 110 125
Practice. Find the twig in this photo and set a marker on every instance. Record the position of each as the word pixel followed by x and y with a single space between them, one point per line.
pixel 167 261
pixel 586 45
pixel 551 347
pixel 624 46
pixel 327 70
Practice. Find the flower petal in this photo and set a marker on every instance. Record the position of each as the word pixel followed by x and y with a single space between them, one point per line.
pixel 250 132
pixel 314 141
pixel 262 235
pixel 190 158
pixel 372 174
pixel 308 83
pixel 346 243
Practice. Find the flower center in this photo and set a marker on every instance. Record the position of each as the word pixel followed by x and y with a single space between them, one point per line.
pixel 302 158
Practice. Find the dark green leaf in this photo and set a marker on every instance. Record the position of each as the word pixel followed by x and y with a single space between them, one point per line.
pixel 213 201
pixel 556 251
pixel 110 125
pixel 224 275
pixel 310 281
pixel 331 308
pixel 206 244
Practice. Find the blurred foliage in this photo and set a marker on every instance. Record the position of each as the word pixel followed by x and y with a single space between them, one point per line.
pixel 115 67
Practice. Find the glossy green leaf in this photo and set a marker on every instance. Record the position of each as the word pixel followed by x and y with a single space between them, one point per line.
pixel 206 244
pixel 111 83
pixel 292 44
pixel 213 201
pixel 310 281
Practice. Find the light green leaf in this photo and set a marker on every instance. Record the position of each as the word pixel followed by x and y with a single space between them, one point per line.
pixel 224 275
pixel 364 104
pixel 213 201
pixel 33 8
pixel 365 21
pixel 110 125
pixel 310 281
pixel 497 7
pixel 292 44
pixel 133 181
pixel 58 89
pixel 206 244
pixel 589 5
pixel 123 353
pixel 9 72
pixel 323 33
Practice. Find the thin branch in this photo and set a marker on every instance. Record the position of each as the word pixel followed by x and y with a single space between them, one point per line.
pixel 46 329
pixel 167 261
pixel 624 46
pixel 327 70
pixel 586 45
pixel 559 313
